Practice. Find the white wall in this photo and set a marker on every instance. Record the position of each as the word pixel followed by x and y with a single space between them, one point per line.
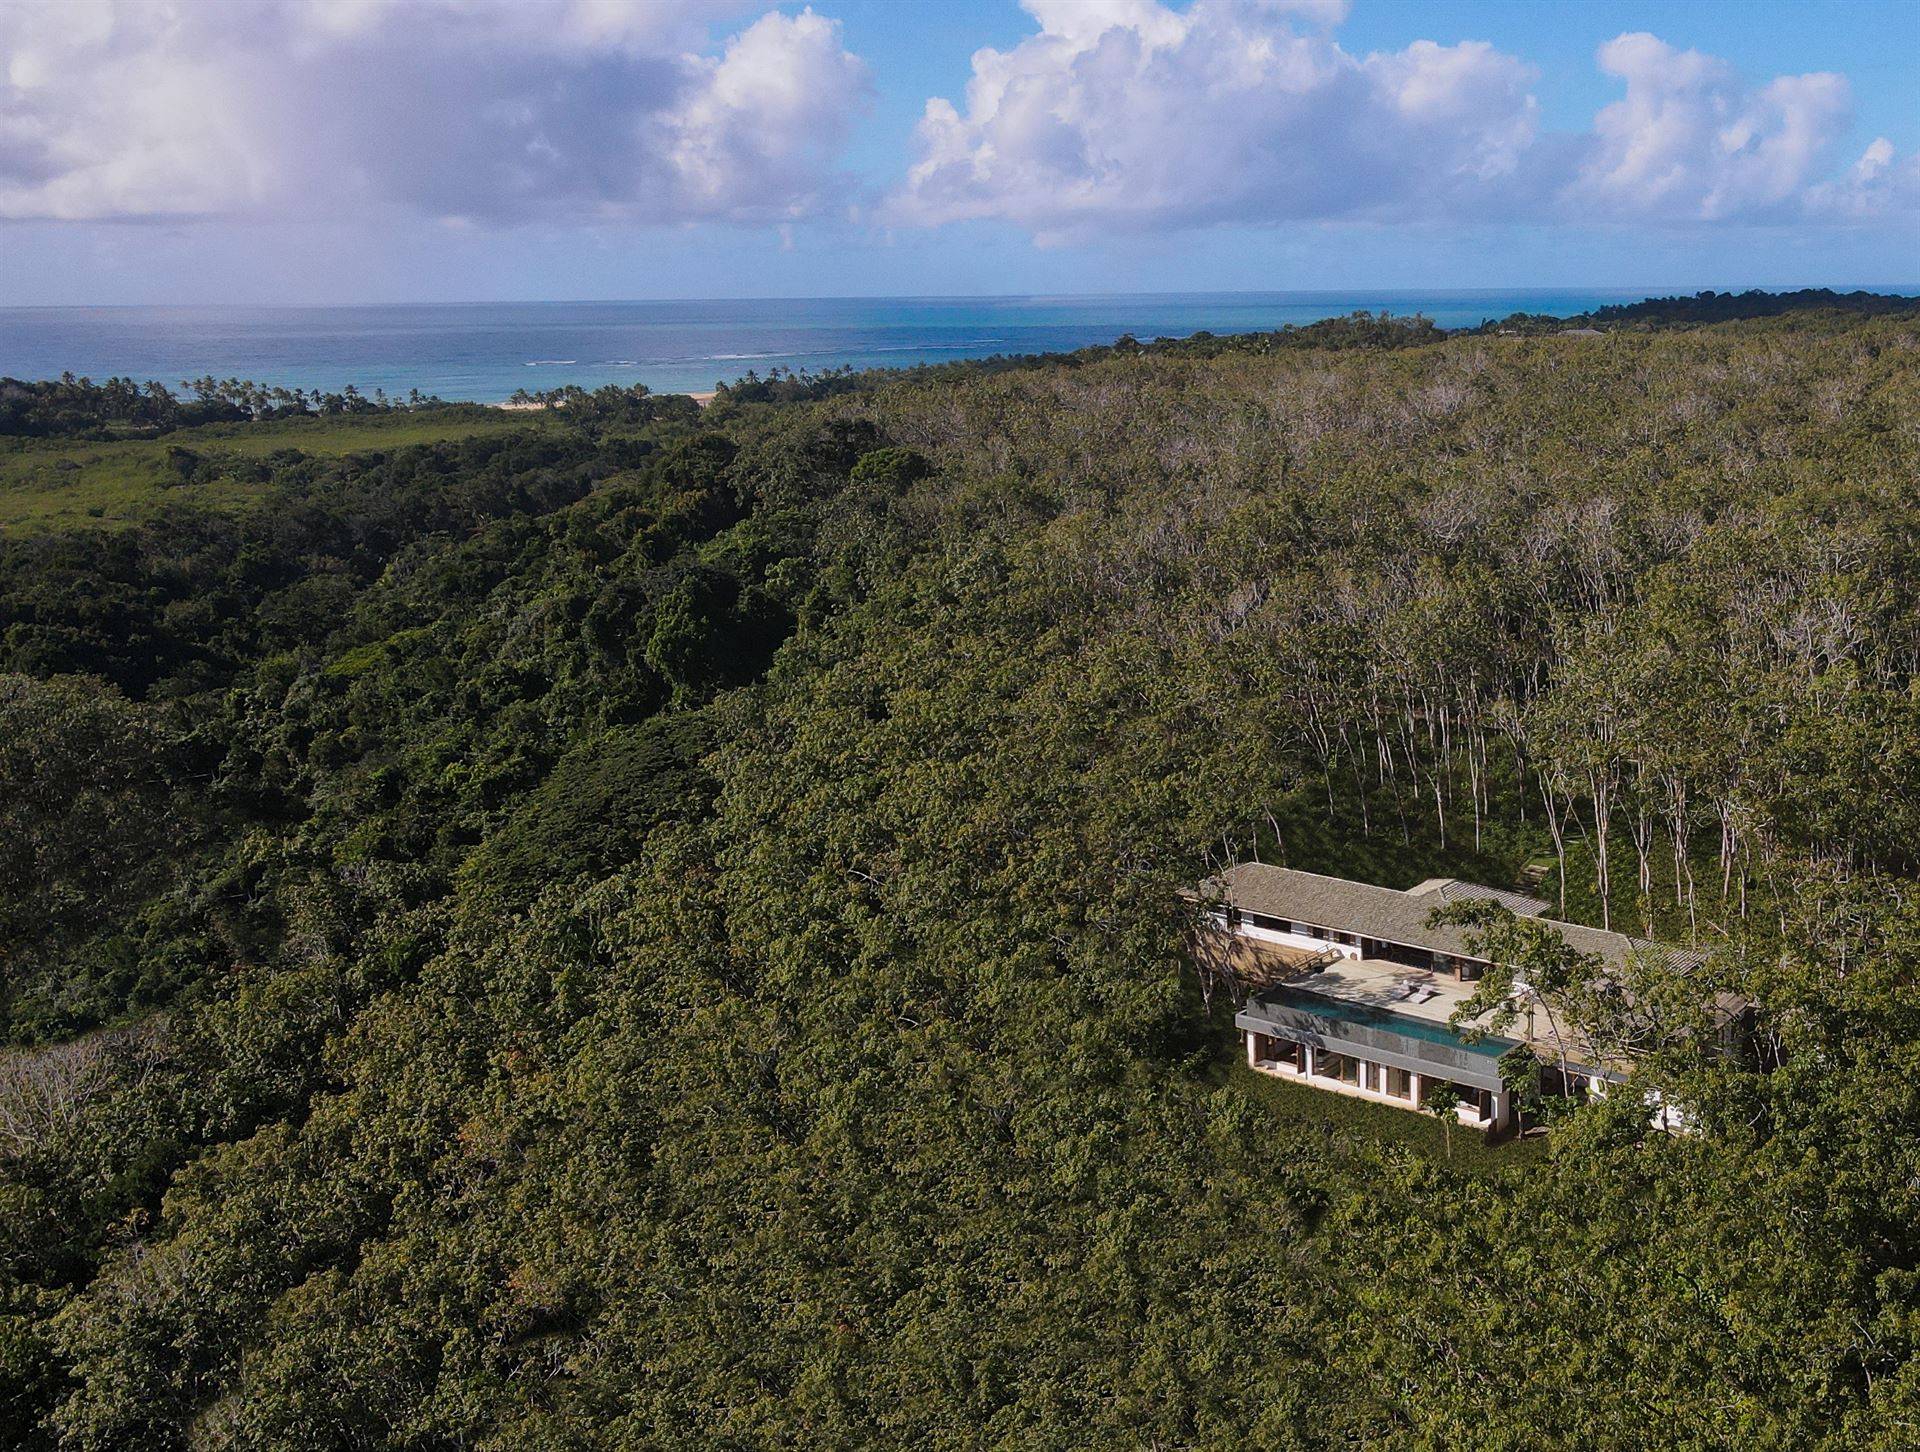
pixel 1289 940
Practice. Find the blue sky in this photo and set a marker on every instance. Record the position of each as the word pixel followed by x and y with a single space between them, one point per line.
pixel 315 151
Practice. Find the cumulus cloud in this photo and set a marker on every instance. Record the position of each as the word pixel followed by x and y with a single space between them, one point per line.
pixel 1879 184
pixel 1127 112
pixel 1690 139
pixel 467 109
pixel 1131 113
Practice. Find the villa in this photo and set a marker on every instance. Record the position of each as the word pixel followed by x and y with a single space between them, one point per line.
pixel 1352 991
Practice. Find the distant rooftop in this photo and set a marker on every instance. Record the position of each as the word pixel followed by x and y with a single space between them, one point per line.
pixel 1452 889
pixel 1393 916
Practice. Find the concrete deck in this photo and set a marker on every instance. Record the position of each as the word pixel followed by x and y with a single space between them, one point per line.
pixel 1390 987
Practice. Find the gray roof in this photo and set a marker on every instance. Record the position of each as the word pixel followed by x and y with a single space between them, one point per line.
pixel 1394 916
pixel 1452 889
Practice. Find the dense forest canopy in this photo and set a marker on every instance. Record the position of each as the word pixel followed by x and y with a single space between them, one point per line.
pixel 656 927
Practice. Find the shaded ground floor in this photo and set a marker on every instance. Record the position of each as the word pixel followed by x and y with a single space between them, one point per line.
pixel 1383 1078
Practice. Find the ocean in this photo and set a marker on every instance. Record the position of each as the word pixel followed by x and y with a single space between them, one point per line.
pixel 483 352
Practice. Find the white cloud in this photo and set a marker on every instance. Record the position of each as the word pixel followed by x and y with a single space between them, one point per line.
pixel 1874 160
pixel 757 135
pixel 1691 140
pixel 487 109
pixel 1131 113
pixel 1879 184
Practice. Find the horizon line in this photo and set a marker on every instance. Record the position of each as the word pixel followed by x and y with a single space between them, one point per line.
pixel 1906 289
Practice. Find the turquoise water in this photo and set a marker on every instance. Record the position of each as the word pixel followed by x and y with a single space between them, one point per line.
pixel 485 351
pixel 1335 1011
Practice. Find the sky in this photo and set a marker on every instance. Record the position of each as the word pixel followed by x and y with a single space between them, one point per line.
pixel 355 151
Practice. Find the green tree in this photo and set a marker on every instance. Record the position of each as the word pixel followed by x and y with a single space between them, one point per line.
pixel 88 827
pixel 1529 962
pixel 1442 1099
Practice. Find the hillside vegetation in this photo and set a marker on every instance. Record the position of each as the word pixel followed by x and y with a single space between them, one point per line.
pixel 635 928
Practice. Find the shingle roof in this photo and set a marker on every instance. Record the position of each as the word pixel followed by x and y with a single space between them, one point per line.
pixel 1452 889
pixel 1399 917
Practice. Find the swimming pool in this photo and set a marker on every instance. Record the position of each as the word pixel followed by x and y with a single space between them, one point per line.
pixel 1342 1011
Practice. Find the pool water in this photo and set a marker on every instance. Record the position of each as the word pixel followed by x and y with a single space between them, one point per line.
pixel 1339 1011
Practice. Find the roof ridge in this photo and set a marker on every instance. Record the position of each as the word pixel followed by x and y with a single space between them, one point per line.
pixel 1583 936
pixel 1323 876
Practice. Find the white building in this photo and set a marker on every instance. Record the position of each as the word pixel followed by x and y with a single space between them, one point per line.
pixel 1353 990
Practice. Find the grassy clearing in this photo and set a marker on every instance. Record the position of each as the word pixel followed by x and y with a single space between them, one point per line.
pixel 64 483
pixel 355 434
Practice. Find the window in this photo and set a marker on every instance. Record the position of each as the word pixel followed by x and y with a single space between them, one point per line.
pixel 1400 1083
pixel 1343 1067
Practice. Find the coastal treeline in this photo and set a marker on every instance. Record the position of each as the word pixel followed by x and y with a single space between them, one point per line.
pixel 1709 306
pixel 70 407
pixel 669 928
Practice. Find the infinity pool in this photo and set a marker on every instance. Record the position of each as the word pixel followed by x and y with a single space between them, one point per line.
pixel 1336 1010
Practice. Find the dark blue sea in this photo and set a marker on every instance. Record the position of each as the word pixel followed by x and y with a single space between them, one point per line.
pixel 485 351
